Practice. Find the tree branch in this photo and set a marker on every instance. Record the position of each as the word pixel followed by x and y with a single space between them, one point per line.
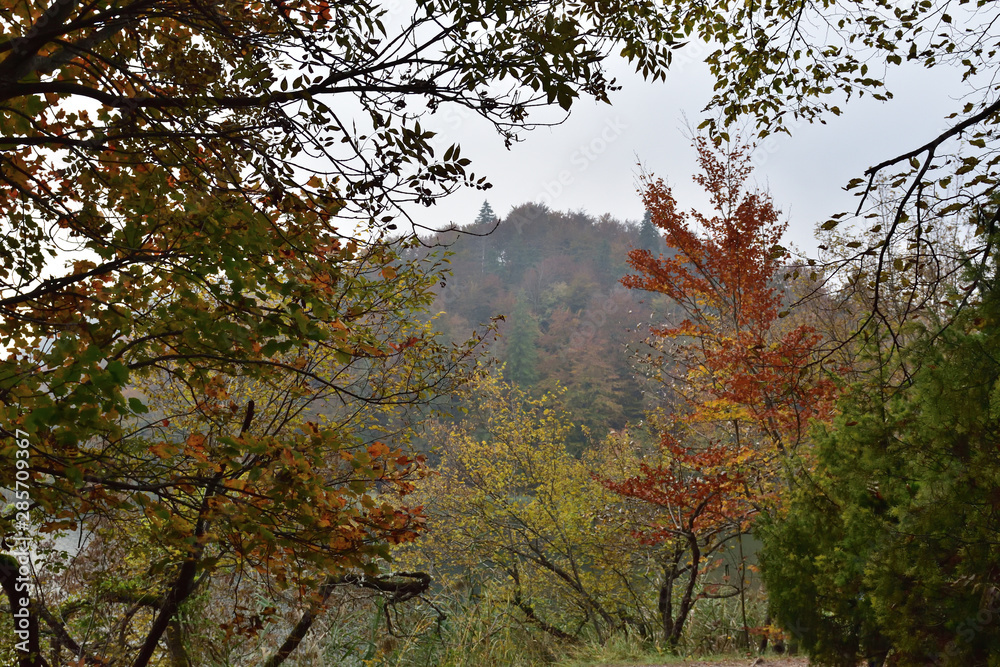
pixel 930 147
pixel 413 584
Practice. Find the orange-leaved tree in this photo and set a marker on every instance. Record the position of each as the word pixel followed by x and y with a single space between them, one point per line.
pixel 744 380
pixel 701 511
pixel 733 359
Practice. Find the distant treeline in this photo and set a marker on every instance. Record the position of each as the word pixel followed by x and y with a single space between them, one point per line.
pixel 569 322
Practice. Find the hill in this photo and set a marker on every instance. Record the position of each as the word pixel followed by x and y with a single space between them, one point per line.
pixel 569 322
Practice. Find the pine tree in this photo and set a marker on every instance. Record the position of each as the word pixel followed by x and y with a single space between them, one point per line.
pixel 649 238
pixel 522 353
pixel 486 215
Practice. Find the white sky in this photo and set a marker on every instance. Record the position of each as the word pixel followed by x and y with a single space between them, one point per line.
pixel 590 162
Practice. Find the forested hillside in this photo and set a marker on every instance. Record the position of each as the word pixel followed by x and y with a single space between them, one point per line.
pixel 555 278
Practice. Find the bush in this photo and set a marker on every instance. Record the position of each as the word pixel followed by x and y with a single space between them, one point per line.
pixel 888 549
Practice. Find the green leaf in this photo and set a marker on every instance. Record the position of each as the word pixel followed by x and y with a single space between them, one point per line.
pixel 74 475
pixel 118 372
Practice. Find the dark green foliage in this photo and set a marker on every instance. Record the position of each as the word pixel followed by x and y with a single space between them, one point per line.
pixel 649 238
pixel 486 215
pixel 890 546
pixel 521 352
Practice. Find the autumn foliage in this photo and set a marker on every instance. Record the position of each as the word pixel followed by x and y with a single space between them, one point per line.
pixel 735 359
pixel 744 382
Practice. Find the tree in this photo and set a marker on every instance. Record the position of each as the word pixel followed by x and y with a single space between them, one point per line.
pixel 484 225
pixel 196 480
pixel 700 507
pixel 887 548
pixel 486 216
pixel 743 387
pixel 649 238
pixel 789 62
pixel 521 352
pixel 510 509
pixel 732 358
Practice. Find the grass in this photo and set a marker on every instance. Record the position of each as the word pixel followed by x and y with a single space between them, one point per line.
pixel 649 659
pixel 623 651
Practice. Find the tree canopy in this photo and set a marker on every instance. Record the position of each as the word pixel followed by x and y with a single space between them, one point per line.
pixel 200 193
pixel 782 63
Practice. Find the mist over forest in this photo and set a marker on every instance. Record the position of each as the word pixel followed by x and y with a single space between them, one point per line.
pixel 555 278
pixel 258 408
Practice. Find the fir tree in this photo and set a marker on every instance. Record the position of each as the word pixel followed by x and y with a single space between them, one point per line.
pixel 649 237
pixel 484 225
pixel 522 353
pixel 486 215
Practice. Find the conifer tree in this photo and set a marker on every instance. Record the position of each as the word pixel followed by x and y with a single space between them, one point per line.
pixel 484 225
pixel 486 215
pixel 649 238
pixel 888 552
pixel 522 353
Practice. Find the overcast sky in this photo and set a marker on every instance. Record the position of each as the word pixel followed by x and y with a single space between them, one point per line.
pixel 590 162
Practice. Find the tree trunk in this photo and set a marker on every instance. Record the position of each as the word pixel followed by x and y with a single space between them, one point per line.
pixel 175 645
pixel 762 646
pixel 665 602
pixel 182 588
pixel 665 605
pixel 25 620
pixel 687 600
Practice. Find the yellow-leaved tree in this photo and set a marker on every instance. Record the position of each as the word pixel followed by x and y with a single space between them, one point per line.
pixel 513 517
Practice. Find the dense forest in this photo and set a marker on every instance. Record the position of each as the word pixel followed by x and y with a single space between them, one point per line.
pixel 568 321
pixel 249 416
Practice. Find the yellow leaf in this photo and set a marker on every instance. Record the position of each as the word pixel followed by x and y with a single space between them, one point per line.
pixel 162 450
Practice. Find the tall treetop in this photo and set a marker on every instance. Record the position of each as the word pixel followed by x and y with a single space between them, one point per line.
pixel 649 238
pixel 486 215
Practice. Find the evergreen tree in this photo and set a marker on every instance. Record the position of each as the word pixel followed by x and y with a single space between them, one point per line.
pixel 522 352
pixel 485 223
pixel 649 237
pixel 486 215
pixel 890 550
